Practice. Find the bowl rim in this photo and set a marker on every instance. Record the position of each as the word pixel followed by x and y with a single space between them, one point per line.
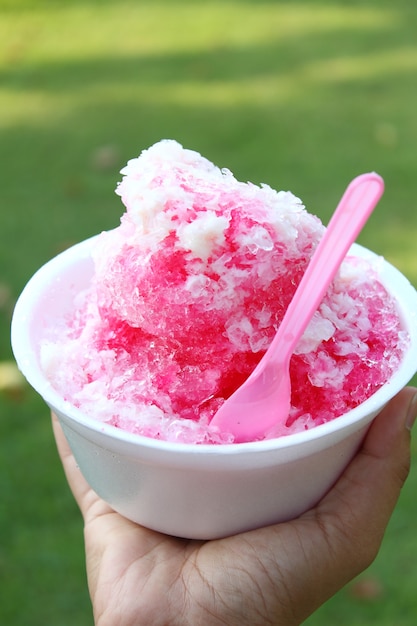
pixel 28 364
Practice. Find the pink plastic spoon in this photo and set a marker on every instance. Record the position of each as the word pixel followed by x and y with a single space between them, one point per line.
pixel 264 399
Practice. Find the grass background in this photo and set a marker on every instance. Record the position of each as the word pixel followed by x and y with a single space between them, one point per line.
pixel 302 95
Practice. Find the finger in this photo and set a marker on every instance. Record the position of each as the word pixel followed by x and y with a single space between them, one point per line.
pixel 83 494
pixel 358 508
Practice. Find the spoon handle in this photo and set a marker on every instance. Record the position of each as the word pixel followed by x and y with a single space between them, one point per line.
pixel 353 210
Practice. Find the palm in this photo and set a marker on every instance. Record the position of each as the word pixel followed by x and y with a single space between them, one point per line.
pixel 150 578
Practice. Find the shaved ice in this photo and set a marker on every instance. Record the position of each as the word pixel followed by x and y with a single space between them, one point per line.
pixel 187 294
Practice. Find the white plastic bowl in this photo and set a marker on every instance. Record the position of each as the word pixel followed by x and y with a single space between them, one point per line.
pixel 197 491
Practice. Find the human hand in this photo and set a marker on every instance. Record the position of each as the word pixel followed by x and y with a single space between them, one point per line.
pixel 276 575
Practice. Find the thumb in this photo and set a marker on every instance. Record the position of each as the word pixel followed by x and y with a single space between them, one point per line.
pixel 358 508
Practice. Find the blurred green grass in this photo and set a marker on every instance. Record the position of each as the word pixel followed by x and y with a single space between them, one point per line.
pixel 301 95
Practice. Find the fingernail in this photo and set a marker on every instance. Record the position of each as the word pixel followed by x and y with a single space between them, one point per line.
pixel 411 413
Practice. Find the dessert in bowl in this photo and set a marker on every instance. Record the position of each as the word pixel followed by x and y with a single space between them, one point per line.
pixel 135 345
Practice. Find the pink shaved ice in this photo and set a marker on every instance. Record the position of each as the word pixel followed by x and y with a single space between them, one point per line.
pixel 189 291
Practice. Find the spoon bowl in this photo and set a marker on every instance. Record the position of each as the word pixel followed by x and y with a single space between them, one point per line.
pixel 264 399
